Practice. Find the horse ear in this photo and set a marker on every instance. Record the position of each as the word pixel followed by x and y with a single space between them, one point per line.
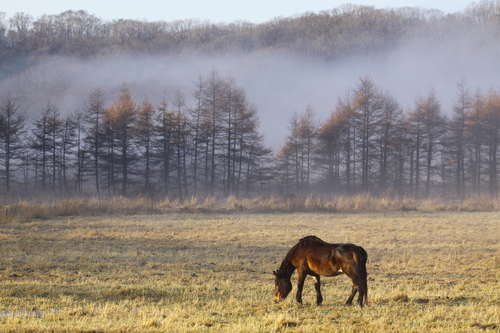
pixel 275 273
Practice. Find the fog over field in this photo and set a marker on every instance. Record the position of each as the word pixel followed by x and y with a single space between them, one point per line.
pixel 277 85
pixel 280 81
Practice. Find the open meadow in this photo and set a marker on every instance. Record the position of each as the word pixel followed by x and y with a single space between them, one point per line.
pixel 427 271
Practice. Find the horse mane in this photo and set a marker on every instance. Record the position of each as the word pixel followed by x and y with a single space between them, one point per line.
pixel 310 240
pixel 285 264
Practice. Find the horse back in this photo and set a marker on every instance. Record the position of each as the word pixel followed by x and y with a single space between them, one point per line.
pixel 331 259
pixel 313 256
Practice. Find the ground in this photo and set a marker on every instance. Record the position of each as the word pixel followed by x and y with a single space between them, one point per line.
pixel 432 272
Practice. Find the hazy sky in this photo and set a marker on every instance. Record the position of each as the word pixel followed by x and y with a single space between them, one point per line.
pixel 255 11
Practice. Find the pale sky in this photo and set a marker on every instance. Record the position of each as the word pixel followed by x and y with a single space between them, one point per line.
pixel 255 11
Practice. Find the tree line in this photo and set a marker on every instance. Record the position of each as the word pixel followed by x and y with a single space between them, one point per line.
pixel 127 148
pixel 213 147
pixel 370 144
pixel 330 34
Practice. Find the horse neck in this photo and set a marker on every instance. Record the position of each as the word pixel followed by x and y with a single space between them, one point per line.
pixel 287 267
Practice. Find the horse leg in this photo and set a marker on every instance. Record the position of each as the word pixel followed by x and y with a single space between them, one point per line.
pixel 358 284
pixel 353 293
pixel 362 293
pixel 300 285
pixel 317 286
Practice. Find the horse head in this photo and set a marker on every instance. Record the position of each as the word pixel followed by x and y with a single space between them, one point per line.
pixel 283 286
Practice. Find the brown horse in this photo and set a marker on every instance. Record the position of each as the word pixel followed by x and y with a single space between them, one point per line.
pixel 312 256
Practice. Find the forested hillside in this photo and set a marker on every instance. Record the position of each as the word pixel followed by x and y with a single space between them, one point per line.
pixel 328 35
pixel 67 127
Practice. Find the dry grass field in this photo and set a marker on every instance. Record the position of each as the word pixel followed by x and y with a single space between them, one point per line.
pixel 428 272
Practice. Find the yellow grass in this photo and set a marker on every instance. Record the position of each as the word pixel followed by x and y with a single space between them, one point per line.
pixel 22 210
pixel 428 272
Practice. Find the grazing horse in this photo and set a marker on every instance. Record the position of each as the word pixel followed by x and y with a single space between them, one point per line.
pixel 312 256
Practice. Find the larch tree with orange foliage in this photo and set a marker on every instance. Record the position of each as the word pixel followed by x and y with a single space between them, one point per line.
pixel 120 118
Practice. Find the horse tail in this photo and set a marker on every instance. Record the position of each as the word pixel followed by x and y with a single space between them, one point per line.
pixel 362 258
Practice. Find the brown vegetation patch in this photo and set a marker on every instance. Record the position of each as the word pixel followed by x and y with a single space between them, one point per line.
pixel 31 210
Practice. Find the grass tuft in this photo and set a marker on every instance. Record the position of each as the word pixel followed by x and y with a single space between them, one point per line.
pixel 400 297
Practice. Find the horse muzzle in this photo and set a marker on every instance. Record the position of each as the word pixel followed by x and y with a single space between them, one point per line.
pixel 278 299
